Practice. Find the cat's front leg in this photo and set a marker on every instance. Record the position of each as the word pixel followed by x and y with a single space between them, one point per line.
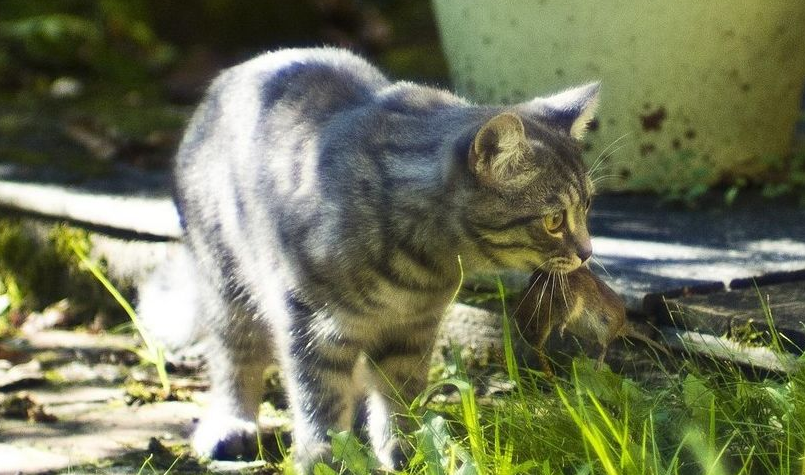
pixel 397 374
pixel 319 363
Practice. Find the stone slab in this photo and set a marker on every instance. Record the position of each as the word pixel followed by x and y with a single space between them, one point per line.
pixel 138 215
pixel 740 312
pixel 725 349
pixel 100 431
pixel 649 247
pixel 92 421
pixel 642 244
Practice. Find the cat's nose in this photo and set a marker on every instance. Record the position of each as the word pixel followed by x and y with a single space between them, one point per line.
pixel 585 251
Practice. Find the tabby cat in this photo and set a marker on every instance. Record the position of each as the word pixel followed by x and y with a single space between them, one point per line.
pixel 326 208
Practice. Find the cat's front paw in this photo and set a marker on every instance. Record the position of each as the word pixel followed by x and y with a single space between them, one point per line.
pixel 394 455
pixel 225 438
pixel 307 455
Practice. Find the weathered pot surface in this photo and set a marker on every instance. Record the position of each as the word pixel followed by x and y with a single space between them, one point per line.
pixel 693 92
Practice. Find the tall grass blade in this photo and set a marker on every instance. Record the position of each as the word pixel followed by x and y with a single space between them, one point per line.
pixel 508 347
pixel 155 353
pixel 590 433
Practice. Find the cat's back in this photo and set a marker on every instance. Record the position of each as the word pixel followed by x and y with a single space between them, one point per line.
pixel 325 79
pixel 315 82
pixel 259 124
pixel 286 89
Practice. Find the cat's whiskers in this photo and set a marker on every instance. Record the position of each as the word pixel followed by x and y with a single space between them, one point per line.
pixel 530 288
pixel 539 302
pixel 611 144
pixel 562 277
pixel 604 156
pixel 601 178
pixel 601 265
pixel 592 173
pixel 552 277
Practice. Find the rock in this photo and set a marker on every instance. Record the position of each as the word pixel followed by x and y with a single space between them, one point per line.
pixel 98 429
pixel 76 372
pixel 728 350
pixel 75 340
pixel 22 406
pixel 55 315
pixel 66 87
pixel 21 376
pixel 149 217
pixel 18 460
pixel 226 466
pixel 475 330
pixel 742 313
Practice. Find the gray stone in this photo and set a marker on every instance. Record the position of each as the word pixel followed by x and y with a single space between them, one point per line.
pixel 79 372
pixel 225 466
pixel 146 216
pixel 21 376
pixel 15 459
pixel 647 247
pixel 73 340
pixel 87 432
pixel 741 312
pixel 474 330
pixel 642 245
pixel 721 348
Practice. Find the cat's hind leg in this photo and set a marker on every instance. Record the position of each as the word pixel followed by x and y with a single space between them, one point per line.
pixel 238 349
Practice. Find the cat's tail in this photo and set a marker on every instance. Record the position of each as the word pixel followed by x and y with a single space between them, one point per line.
pixel 168 306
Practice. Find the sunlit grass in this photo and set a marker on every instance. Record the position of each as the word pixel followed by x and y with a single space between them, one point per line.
pixel 706 417
pixel 153 352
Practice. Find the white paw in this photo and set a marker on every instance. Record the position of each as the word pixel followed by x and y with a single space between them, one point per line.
pixel 225 438
pixel 392 456
pixel 307 455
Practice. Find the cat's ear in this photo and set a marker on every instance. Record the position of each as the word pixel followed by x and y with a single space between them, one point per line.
pixel 571 110
pixel 498 156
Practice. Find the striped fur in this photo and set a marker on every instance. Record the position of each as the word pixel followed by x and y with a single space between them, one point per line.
pixel 326 208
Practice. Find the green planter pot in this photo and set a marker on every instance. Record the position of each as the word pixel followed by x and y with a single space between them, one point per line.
pixel 693 92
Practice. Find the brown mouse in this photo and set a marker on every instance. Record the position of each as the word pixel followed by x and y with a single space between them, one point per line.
pixel 578 302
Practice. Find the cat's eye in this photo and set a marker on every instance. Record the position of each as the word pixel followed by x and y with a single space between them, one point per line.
pixel 554 221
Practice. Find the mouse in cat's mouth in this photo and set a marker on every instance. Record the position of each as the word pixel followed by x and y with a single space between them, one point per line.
pixel 579 302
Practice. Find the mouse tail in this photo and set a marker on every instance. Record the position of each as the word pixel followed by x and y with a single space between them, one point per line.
pixel 633 333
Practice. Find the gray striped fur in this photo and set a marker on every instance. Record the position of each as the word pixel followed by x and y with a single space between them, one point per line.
pixel 326 208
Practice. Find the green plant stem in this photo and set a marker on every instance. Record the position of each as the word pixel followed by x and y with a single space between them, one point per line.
pixel 155 354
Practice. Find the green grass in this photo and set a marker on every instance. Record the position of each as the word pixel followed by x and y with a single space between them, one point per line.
pixel 698 417
pixel 152 351
pixel 701 417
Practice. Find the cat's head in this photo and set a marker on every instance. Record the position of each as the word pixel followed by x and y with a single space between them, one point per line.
pixel 533 190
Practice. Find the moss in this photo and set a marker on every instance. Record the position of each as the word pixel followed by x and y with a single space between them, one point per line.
pixel 158 457
pixel 37 268
pixel 419 62
pixel 134 126
pixel 18 270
